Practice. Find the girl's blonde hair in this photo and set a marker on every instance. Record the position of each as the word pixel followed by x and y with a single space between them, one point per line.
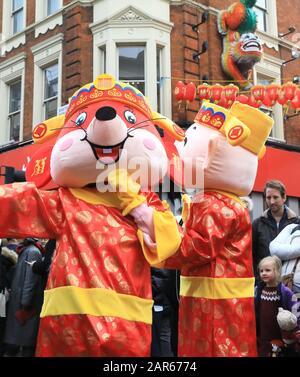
pixel 276 264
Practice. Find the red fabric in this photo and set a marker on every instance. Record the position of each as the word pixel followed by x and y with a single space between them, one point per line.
pixel 216 243
pixel 96 247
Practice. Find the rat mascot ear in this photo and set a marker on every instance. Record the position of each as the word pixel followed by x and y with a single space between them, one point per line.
pixel 38 169
pixel 170 133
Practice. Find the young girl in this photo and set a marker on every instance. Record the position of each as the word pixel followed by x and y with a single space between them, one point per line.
pixel 269 296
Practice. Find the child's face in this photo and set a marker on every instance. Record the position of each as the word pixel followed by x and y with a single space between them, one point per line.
pixel 267 273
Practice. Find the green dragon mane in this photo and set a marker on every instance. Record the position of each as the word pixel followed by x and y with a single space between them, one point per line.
pixel 249 25
pixel 248 3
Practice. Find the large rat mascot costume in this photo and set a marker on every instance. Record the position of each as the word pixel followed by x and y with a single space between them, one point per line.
pixel 98 299
pixel 217 315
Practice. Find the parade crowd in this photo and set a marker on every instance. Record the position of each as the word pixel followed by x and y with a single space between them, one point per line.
pixel 25 264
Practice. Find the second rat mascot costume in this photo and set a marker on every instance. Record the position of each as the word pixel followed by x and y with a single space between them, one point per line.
pixel 98 299
pixel 221 149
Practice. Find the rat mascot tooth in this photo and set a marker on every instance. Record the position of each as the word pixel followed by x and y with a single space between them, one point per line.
pixel 98 299
pixel 216 315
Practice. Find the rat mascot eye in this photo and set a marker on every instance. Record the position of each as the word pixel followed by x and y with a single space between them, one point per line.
pixel 80 119
pixel 130 117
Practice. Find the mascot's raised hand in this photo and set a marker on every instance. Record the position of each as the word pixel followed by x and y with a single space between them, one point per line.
pixel 100 161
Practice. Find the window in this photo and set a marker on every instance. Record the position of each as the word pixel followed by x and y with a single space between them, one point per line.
pixel 266 74
pixel 102 51
pixel 47 57
pixel 158 77
pixel 265 81
pixel 12 74
pixel 17 16
pixel 14 114
pixel 132 66
pixel 52 6
pixel 50 90
pixel 261 12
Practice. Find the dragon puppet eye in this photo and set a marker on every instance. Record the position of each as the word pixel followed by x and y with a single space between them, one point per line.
pixel 130 117
pixel 80 119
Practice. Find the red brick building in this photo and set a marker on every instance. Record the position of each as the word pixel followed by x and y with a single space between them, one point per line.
pixel 49 48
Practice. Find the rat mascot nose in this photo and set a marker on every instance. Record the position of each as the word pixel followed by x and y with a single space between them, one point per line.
pixel 106 113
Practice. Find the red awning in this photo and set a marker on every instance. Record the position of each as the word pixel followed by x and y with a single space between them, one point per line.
pixel 277 164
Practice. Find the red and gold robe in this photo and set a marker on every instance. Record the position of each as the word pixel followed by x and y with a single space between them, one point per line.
pixel 98 299
pixel 216 312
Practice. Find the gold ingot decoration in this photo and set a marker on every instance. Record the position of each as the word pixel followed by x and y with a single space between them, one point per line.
pixel 239 310
pixel 81 240
pixel 244 349
pixel 112 222
pixel 86 259
pixel 208 221
pixel 83 217
pixel 69 336
pixel 218 312
pixel 227 213
pixel 97 239
pixel 105 337
pixel 220 270
pixel 206 306
pixel 62 259
pixel 36 226
pixel 111 264
pixel 96 282
pixel 72 280
pixel 52 203
pixel 240 270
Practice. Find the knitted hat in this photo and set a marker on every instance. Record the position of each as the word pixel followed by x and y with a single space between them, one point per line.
pixel 286 320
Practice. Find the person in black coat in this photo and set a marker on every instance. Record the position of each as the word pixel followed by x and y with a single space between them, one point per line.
pixel 8 259
pixel 42 267
pixel 165 312
pixel 25 302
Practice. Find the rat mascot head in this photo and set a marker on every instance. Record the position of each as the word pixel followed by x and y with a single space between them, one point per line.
pixel 108 124
pixel 225 153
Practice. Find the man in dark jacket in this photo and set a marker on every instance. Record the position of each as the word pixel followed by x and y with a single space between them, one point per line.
pixel 273 220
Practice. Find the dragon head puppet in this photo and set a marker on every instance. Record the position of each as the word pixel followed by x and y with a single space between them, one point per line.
pixel 242 48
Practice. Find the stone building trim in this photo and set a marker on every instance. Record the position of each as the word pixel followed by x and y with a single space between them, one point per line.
pixel 132 26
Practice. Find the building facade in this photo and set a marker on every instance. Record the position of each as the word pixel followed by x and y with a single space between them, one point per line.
pixel 50 48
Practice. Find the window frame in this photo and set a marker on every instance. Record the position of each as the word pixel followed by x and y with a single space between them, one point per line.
pixel 49 99
pixel 44 20
pixel 271 68
pixel 265 15
pixel 132 82
pixel 45 54
pixel 12 114
pixel 11 70
pixel 14 12
pixel 132 26
pixel 47 10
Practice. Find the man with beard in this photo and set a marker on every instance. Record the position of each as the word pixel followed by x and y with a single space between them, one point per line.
pixel 266 227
